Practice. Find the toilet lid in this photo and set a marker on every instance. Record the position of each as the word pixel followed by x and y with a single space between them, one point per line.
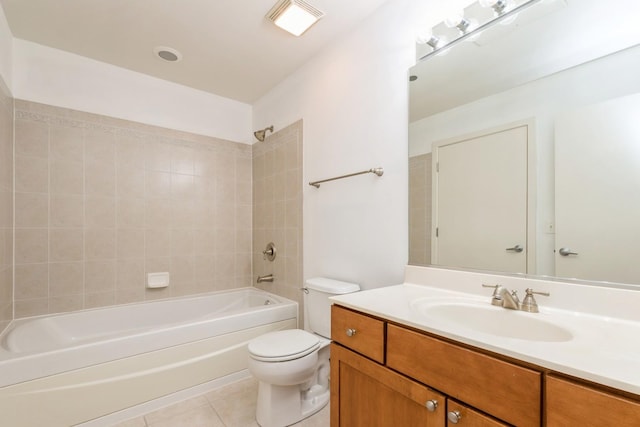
pixel 283 345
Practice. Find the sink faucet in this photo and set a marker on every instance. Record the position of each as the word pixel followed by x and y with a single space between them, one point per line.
pixel 503 298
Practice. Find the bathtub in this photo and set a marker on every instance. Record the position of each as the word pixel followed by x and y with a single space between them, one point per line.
pixel 75 367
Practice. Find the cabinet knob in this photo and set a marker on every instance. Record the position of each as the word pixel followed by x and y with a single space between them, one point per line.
pixel 351 332
pixel 431 405
pixel 454 417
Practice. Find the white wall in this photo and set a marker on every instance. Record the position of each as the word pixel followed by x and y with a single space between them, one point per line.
pixel 353 100
pixel 55 77
pixel 6 50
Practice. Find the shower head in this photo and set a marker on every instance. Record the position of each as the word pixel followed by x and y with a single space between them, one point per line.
pixel 262 133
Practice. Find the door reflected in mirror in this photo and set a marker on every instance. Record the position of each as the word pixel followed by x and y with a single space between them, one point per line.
pixel 571 75
pixel 480 189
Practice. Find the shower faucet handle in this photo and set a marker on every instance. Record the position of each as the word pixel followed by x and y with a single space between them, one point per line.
pixel 269 252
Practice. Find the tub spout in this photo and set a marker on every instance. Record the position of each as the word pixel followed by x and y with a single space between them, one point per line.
pixel 267 278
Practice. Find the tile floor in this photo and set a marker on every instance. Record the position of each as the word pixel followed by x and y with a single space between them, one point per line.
pixel 231 406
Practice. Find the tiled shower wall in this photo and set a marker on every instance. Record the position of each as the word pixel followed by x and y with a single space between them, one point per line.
pixel 277 211
pixel 6 206
pixel 100 202
pixel 420 209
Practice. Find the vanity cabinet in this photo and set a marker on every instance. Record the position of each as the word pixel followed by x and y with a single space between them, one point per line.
pixel 570 403
pixel 366 390
pixel 384 374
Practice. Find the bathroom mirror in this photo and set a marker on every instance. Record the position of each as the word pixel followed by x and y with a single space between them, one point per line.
pixel 567 71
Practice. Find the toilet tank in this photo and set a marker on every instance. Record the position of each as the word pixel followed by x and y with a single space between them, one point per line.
pixel 317 304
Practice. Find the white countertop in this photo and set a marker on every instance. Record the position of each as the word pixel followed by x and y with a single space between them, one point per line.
pixel 603 349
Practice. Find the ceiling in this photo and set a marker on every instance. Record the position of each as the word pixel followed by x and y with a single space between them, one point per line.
pixel 228 46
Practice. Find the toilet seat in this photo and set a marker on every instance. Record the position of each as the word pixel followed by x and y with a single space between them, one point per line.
pixel 282 346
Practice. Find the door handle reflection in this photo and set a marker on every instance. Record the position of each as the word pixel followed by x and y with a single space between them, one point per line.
pixel 567 252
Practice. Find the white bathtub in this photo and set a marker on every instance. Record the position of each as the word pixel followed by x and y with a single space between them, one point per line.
pixel 71 368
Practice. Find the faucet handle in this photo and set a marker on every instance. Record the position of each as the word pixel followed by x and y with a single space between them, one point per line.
pixel 495 287
pixel 496 298
pixel 530 291
pixel 529 303
pixel 269 252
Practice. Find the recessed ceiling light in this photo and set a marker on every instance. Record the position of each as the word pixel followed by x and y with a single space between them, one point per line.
pixel 168 54
pixel 294 16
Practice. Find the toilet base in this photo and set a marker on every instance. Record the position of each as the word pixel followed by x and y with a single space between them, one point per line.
pixel 316 399
pixel 280 406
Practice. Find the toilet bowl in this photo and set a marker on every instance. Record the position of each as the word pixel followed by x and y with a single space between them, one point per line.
pixel 292 366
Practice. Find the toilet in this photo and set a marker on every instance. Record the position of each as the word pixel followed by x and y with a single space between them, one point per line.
pixel 292 366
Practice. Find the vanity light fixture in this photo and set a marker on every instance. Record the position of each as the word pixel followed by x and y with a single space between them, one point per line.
pixel 432 41
pixel 498 6
pixel 294 16
pixel 468 28
pixel 460 22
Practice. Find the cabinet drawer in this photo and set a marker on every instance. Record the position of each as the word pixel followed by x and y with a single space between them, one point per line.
pixel 504 390
pixel 467 417
pixel 359 332
pixel 570 403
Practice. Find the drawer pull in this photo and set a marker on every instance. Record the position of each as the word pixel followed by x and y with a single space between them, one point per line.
pixel 431 405
pixel 351 332
pixel 454 417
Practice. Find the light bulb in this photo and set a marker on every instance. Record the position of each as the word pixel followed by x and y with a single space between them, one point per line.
pixel 460 22
pixel 499 6
pixel 428 38
pixel 454 19
pixel 423 37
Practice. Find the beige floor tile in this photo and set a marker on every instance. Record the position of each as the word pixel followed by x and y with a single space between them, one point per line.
pixel 242 386
pixel 175 409
pixel 134 422
pixel 231 406
pixel 237 409
pixel 319 419
pixel 202 416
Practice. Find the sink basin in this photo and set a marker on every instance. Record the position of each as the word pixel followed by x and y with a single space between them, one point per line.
pixel 486 318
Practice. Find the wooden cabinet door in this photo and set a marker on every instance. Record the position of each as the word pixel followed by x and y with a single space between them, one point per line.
pixel 504 390
pixel 572 404
pixel 468 417
pixel 364 393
